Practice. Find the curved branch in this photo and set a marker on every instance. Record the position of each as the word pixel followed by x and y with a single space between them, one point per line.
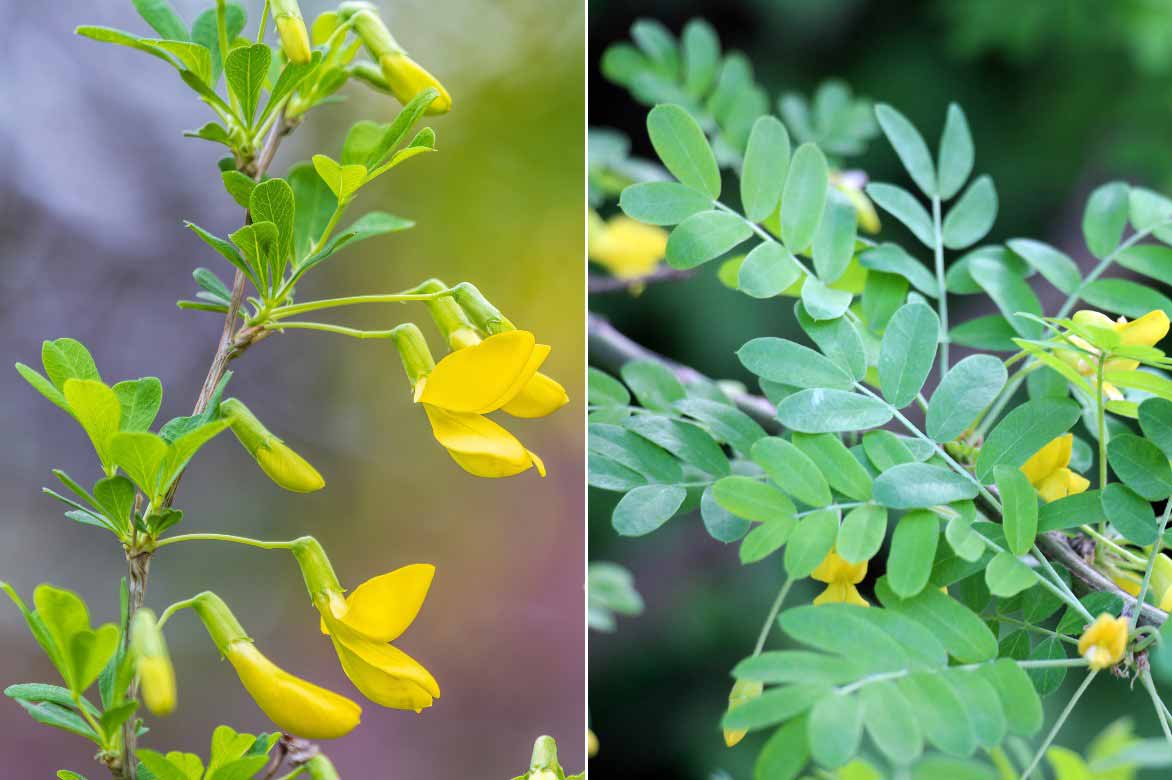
pixel 1056 546
pixel 599 283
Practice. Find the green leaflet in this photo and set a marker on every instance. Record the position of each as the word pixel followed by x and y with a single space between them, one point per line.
pixel 920 485
pixel 705 236
pixel 1019 505
pixel 763 174
pixel 1024 431
pixel 662 202
pixel 683 148
pixel 907 353
pixel 955 158
pixel 913 548
pixel 804 197
pixel 646 508
pixel 972 216
pixel 964 392
pixel 909 146
pixel 1105 218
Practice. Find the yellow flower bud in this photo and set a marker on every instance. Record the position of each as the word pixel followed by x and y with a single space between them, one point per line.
pixel 742 691
pixel 153 664
pixel 1104 642
pixel 1048 470
pixel 283 466
pixel 291 29
pixel 407 78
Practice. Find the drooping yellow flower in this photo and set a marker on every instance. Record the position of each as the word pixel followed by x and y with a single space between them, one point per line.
pixel 291 29
pixel 153 664
pixel 275 458
pixel 296 706
pixel 1147 331
pixel 494 374
pixel 1104 642
pixel 363 624
pixel 1160 587
pixel 625 247
pixel 1048 470
pixel 840 577
pixel 404 76
pixel 742 691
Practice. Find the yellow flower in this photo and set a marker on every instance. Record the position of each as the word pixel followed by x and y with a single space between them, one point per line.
pixel 296 706
pixel 1160 587
pixel 1147 331
pixel 591 743
pixel 625 247
pixel 275 458
pixel 1104 641
pixel 291 29
pixel 1048 470
pixel 153 663
pixel 407 78
pixel 497 373
pixel 851 184
pixel 742 691
pixel 840 577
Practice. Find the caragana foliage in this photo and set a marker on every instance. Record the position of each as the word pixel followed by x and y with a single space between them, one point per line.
pixel 292 224
pixel 1008 474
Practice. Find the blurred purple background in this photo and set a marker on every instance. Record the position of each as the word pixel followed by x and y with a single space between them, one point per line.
pixel 94 183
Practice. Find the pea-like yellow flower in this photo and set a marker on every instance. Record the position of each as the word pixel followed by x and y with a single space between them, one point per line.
pixel 153 664
pixel 625 247
pixel 742 691
pixel 1147 331
pixel 1104 642
pixel 1048 470
pixel 363 624
pixel 591 743
pixel 840 577
pixel 851 184
pixel 296 706
pixel 405 77
pixel 291 29
pixel 1160 587
pixel 275 458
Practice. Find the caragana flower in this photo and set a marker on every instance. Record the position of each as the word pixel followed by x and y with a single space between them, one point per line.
pixel 152 663
pixel 291 29
pixel 1160 587
pixel 1048 470
pixel 275 458
pixel 405 77
pixel 467 384
pixel 363 624
pixel 296 706
pixel 1147 331
pixel 1104 642
pixel 840 577
pixel 742 691
pixel 627 248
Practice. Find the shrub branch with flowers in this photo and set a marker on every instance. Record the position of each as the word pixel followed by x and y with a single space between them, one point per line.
pixel 1015 495
pixel 291 226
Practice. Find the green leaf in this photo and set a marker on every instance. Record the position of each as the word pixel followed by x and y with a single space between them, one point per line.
pixel 984 707
pixel 314 205
pixel 1151 260
pixel 892 259
pixel 844 473
pixel 778 704
pixel 1054 265
pixel 822 302
pixel 1048 680
pixel 810 543
pixel 804 197
pixel 43 386
pixel 751 499
pixel 683 148
pixel 1024 431
pixel 58 717
pixel 140 455
pixel 227 251
pixel 653 384
pixel 1069 512
pixel 792 471
pixel 369 225
pixel 204 31
pixel 767 538
pixel 1129 513
pixel 54 694
pixel 721 525
pixel 962 632
pixel 181 450
pixel 89 652
pixel 1125 297
pixel 259 242
pixel 646 508
pixel 272 201
pixel 194 58
pixel 861 534
pixel 1007 575
pixel 918 485
pixel 292 76
pixel 942 714
pixel 891 722
pixel 992 332
pixel 955 161
pixel 605 390
pixel 831 411
pixel 635 453
pixel 688 442
pixel 1155 419
pixel 66 359
pixel 970 219
pixel 785 754
pixel 768 270
pixel 140 400
pixel 1020 508
pixel 838 339
pixel 1105 218
pixel 246 69
pixel 835 729
pixel 907 352
pixel 705 236
pixel 162 18
pixel 913 548
pixel 764 171
pixel 727 423
pixel 909 146
pixel 843 630
pixel 700 48
pixel 662 202
pixel 1019 700
pixel 966 390
pixel 834 242
pixel 1141 465
pixel 902 205
pixel 401 126
pixel 343 180
pixel 883 294
pixel 1010 292
pixel 792 364
pixel 98 411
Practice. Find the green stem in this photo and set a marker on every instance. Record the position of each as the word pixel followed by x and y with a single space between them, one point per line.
pixel 329 229
pixel 171 610
pixel 97 727
pixel 1059 723
pixel 352 300
pixel 772 616
pixel 1121 551
pixel 262 544
pixel 1037 629
pixel 1158 703
pixel 1104 264
pixel 1157 547
pixel 1044 663
pixel 341 330
pixel 264 20
pixel 990 415
pixel 222 36
pixel 1101 423
pixel 942 293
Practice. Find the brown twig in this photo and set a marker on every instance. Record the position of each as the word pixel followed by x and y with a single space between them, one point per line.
pixel 230 346
pixel 1056 546
pixel 597 283
pixel 610 349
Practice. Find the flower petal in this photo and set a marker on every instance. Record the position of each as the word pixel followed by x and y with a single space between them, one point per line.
pixel 1049 459
pixel 484 377
pixel 1147 331
pixel 479 445
pixel 383 607
pixel 539 397
pixel 384 673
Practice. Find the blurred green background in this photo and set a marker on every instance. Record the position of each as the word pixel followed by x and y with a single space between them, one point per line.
pixel 1061 96
pixel 96 180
